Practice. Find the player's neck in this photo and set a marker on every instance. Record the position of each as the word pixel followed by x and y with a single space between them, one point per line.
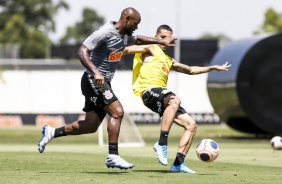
pixel 119 27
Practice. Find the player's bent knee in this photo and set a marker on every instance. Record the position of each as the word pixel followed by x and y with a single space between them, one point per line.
pixel 192 127
pixel 118 113
pixel 93 129
pixel 175 102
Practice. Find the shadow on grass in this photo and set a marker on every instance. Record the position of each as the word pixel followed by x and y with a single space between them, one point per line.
pixel 127 172
pixel 168 172
pixel 130 171
pixel 108 172
pixel 157 171
pixel 117 172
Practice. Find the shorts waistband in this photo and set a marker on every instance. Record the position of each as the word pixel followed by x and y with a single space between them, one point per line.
pixel 146 91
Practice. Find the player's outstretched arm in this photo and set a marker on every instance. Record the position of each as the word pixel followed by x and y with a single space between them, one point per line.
pixel 194 70
pixel 223 67
pixel 143 40
pixel 133 49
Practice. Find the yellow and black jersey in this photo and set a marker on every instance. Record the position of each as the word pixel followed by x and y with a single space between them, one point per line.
pixel 151 74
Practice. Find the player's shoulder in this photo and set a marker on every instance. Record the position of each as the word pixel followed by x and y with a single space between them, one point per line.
pixel 150 48
pixel 105 31
pixel 106 28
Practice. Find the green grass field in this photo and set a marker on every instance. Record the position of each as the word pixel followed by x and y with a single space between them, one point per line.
pixel 78 159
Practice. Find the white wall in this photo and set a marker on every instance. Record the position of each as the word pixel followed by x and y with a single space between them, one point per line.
pixel 40 92
pixel 59 92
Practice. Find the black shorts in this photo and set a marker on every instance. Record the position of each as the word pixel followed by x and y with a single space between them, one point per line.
pixel 153 98
pixel 96 97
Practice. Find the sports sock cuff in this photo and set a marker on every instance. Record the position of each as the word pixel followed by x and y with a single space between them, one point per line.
pixel 113 148
pixel 180 154
pixel 179 159
pixel 164 132
pixel 163 137
pixel 60 132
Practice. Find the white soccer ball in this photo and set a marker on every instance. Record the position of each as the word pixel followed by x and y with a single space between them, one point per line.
pixel 276 142
pixel 207 150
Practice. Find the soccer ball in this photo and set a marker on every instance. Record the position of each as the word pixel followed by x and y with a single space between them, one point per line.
pixel 276 143
pixel 207 150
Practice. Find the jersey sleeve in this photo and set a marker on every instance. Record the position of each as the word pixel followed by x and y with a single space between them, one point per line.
pixel 95 39
pixel 131 40
pixel 137 63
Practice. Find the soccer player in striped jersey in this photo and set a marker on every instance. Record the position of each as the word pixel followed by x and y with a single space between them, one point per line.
pixel 100 54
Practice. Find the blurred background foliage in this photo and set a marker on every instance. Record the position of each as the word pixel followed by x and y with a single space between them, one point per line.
pixel 77 33
pixel 272 22
pixel 25 24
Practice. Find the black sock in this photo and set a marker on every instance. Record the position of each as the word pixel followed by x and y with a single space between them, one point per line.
pixel 163 137
pixel 60 132
pixel 113 148
pixel 179 159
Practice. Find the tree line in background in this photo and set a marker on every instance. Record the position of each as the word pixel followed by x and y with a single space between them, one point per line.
pixel 25 24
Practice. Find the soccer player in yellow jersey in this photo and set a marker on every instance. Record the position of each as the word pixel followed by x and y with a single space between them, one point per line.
pixel 150 74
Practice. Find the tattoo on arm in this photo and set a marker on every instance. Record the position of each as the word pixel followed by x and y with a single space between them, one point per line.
pixel 181 68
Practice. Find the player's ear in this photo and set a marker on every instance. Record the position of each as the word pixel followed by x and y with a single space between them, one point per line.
pixel 127 18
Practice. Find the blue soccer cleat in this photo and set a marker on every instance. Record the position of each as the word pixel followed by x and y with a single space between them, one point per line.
pixel 181 168
pixel 47 135
pixel 161 153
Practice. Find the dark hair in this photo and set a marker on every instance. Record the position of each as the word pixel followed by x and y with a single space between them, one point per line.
pixel 165 27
